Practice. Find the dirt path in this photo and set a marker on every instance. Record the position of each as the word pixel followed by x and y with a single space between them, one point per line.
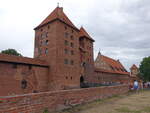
pixel 135 103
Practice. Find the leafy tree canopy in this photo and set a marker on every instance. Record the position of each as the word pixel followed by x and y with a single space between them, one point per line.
pixel 11 52
pixel 145 69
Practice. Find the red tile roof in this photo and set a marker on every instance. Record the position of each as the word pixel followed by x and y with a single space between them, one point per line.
pixel 134 67
pixel 115 65
pixel 108 71
pixel 22 60
pixel 83 33
pixel 57 14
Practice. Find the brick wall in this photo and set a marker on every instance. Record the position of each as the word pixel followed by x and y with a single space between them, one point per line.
pixel 37 103
pixel 102 77
pixel 12 75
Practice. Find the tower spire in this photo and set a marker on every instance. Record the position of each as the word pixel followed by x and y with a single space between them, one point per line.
pixel 57 4
pixel 99 53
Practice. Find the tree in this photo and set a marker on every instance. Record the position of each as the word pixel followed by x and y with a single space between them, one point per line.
pixel 11 52
pixel 145 69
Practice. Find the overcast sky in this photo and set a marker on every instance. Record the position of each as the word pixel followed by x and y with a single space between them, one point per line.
pixel 121 28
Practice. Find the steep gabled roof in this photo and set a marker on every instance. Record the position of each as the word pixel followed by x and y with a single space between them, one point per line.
pixel 57 13
pixel 83 33
pixel 115 65
pixel 134 67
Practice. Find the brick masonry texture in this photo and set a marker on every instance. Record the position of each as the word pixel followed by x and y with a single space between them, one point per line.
pixel 12 74
pixel 56 100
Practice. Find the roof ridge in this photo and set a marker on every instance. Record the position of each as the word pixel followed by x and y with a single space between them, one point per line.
pixel 110 58
pixel 22 60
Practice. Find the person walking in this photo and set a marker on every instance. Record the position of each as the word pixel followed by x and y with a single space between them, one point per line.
pixel 136 85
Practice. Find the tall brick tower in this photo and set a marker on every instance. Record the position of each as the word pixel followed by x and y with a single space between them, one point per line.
pixel 57 42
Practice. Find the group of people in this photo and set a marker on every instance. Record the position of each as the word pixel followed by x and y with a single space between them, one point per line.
pixel 134 86
pixel 146 84
pixel 139 85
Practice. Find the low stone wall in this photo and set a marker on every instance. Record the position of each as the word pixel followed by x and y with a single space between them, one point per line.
pixel 37 103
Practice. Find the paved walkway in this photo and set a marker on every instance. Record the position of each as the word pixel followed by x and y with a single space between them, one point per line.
pixel 133 103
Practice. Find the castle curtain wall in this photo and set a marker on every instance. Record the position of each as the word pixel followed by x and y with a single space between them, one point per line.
pixel 104 78
pixel 22 78
pixel 57 100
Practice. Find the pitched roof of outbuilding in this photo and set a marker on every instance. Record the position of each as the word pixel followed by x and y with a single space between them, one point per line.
pixel 57 13
pixel 109 71
pixel 115 65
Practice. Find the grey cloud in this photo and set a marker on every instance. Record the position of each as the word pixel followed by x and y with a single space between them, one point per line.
pixel 124 34
pixel 120 28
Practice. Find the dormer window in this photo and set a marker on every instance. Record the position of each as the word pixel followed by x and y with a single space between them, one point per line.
pixel 112 68
pixel 117 69
pixel 125 70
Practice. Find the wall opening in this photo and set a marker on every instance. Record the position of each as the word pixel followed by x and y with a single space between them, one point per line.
pixel 23 84
pixel 81 81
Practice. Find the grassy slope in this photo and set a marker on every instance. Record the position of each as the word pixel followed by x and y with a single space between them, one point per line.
pixel 129 103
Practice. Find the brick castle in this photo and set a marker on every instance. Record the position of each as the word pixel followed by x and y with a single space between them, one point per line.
pixel 63 59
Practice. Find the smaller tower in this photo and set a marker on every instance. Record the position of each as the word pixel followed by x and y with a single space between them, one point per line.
pixel 134 71
pixel 86 56
pixel 86 47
